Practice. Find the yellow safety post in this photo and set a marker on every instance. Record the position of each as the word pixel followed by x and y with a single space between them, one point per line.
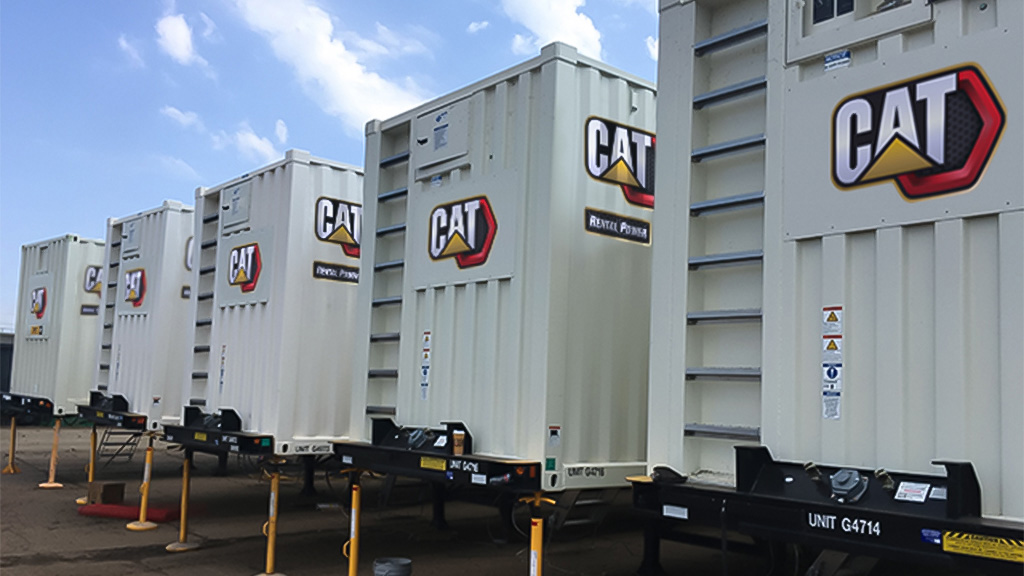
pixel 351 547
pixel 142 524
pixel 11 468
pixel 52 482
pixel 270 527
pixel 183 545
pixel 536 532
pixel 92 465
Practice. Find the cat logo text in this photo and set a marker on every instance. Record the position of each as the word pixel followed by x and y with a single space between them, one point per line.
pixel 244 267
pixel 135 287
pixel 340 222
pixel 931 135
pixel 621 155
pixel 37 303
pixel 463 230
pixel 93 279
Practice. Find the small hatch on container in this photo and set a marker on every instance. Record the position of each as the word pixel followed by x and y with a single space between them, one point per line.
pixel 131 236
pixel 234 206
pixel 440 136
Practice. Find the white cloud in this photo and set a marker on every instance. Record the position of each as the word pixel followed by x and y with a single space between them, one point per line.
pixel 175 38
pixel 209 32
pixel 177 168
pixel 131 51
pixel 303 36
pixel 255 147
pixel 186 119
pixel 475 27
pixel 551 20
pixel 652 48
pixel 281 131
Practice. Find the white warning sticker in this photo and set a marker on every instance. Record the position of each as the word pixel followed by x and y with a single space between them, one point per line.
pixel 832 376
pixel 425 366
pixel 832 349
pixel 830 405
pixel 831 320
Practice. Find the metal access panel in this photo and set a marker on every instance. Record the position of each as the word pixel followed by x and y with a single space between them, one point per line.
pixel 277 263
pixel 145 342
pixel 58 320
pixel 511 225
pixel 840 278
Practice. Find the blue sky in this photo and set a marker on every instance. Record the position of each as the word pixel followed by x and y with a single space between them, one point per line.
pixel 109 107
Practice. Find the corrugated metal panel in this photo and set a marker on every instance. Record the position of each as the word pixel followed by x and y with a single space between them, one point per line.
pixel 273 335
pixel 931 289
pixel 549 329
pixel 55 346
pixel 144 352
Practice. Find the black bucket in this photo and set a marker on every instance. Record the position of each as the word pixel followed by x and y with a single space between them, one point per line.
pixel 392 567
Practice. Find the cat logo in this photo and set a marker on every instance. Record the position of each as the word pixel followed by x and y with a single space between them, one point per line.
pixel 621 155
pixel 340 222
pixel 931 135
pixel 463 230
pixel 135 287
pixel 37 303
pixel 244 267
pixel 93 279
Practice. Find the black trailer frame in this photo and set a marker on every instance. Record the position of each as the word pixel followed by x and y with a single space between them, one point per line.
pixel 430 454
pixel 916 517
pixel 219 433
pixel 111 411
pixel 23 405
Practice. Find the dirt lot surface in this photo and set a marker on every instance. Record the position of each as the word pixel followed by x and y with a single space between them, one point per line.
pixel 42 533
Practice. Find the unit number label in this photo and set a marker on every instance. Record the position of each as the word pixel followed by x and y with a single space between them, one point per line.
pixel 848 525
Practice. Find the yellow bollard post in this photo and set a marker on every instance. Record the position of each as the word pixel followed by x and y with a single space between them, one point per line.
pixel 92 465
pixel 351 548
pixel 11 468
pixel 536 531
pixel 536 546
pixel 142 524
pixel 183 545
pixel 52 482
pixel 270 528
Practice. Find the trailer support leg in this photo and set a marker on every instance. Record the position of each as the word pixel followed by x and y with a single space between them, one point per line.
pixel 536 531
pixel 309 470
pixel 142 524
pixel 52 482
pixel 270 528
pixel 437 493
pixel 222 465
pixel 351 547
pixel 92 465
pixel 651 563
pixel 183 545
pixel 11 468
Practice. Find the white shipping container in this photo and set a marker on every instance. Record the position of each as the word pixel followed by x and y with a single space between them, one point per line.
pixel 275 274
pixel 58 320
pixel 145 340
pixel 846 286
pixel 510 226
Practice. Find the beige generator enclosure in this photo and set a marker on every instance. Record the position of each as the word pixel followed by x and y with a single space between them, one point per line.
pixel 276 264
pixel 58 320
pixel 145 340
pixel 839 241
pixel 509 270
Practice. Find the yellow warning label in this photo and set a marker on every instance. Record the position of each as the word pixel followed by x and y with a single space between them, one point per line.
pixel 201 436
pixel 983 546
pixel 832 317
pixel 99 414
pixel 36 330
pixel 432 463
pixel 832 345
